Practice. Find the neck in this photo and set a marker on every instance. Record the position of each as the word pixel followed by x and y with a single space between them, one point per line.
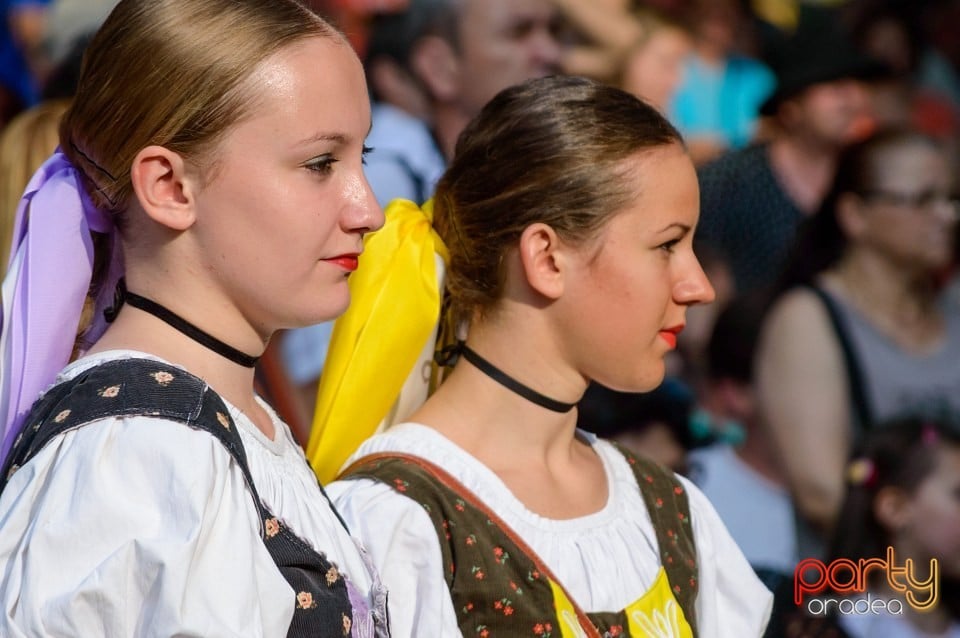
pixel 900 303
pixel 803 168
pixel 448 123
pixel 710 53
pixel 479 413
pixel 757 453
pixel 883 286
pixel 135 329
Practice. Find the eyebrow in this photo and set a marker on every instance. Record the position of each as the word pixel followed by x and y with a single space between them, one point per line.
pixel 684 227
pixel 336 138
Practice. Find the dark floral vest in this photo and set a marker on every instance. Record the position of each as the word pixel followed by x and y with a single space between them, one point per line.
pixel 499 586
pixel 141 387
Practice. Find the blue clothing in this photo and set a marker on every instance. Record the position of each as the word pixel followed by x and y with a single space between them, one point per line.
pixel 405 161
pixel 722 102
pixel 14 72
pixel 304 351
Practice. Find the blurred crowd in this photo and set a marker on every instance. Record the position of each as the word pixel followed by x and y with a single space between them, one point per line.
pixel 827 140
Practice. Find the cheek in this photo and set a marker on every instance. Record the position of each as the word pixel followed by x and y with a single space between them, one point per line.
pixel 937 525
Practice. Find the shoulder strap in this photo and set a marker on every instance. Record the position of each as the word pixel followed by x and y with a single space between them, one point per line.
pixel 144 387
pixel 367 468
pixel 127 387
pixel 669 508
pixel 854 373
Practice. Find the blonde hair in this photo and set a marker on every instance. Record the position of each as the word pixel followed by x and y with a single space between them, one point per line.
pixel 171 73
pixel 25 144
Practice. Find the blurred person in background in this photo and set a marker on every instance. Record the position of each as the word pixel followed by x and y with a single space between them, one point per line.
pixel 717 106
pixel 22 23
pixel 753 199
pixel 740 473
pixel 900 493
pixel 860 331
pixel 653 69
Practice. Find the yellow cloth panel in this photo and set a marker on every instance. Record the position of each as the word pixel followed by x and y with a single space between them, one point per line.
pixel 394 307
pixel 656 614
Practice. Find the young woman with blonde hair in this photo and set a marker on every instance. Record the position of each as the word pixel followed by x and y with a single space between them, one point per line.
pixel 214 149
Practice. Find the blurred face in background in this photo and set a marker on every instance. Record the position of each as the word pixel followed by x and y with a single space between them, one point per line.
pixel 910 215
pixel 830 114
pixel 654 70
pixel 502 43
pixel 932 516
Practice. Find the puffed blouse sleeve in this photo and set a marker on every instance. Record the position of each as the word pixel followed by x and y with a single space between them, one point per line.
pixel 135 527
pixel 732 602
pixel 402 542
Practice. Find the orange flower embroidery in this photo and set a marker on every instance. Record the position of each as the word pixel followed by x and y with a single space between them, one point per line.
pixel 305 600
pixel 109 393
pixel 162 377
pixel 332 576
pixel 272 527
pixel 223 419
pixel 61 416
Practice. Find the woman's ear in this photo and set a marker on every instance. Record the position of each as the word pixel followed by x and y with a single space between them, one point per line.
pixel 542 260
pixel 164 188
pixel 891 506
pixel 851 216
pixel 434 61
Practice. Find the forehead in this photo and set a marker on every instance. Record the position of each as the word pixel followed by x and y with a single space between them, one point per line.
pixel 665 189
pixel 911 163
pixel 503 13
pixel 313 85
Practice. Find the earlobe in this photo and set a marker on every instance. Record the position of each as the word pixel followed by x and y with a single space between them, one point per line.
pixel 542 260
pixel 163 187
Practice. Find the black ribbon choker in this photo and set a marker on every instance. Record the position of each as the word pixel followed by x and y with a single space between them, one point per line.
pixel 512 384
pixel 122 295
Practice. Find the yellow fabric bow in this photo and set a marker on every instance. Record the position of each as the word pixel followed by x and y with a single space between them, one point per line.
pixel 394 308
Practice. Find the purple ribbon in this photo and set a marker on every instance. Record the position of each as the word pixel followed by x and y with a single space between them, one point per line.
pixel 51 263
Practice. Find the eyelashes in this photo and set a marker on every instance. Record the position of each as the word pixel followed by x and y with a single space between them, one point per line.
pixel 323 164
pixel 669 245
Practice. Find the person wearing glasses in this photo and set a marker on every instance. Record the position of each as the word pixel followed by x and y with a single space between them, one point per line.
pixel 862 331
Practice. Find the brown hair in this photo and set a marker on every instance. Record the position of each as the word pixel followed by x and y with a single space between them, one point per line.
pixel 26 143
pixel 549 150
pixel 171 73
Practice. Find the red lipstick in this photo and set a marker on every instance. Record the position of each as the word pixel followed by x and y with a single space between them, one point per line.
pixel 348 262
pixel 670 335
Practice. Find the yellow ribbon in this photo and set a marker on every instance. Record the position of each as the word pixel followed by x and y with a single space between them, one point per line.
pixel 394 308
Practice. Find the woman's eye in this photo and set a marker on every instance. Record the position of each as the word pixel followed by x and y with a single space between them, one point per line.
pixel 323 164
pixel 669 246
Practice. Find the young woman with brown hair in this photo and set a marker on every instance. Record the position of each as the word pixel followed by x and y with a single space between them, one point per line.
pixel 568 214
